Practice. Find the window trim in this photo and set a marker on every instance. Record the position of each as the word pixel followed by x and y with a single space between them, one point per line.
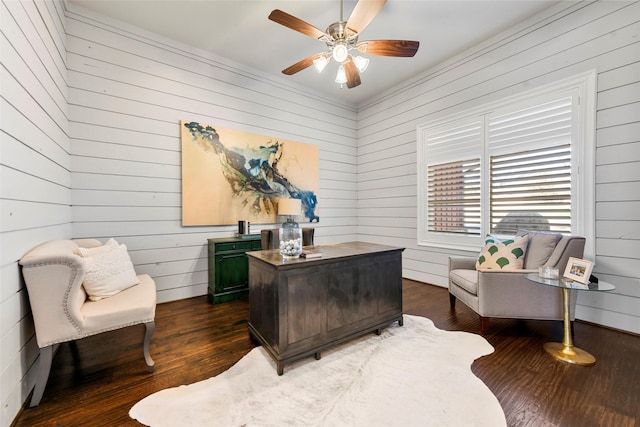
pixel 583 86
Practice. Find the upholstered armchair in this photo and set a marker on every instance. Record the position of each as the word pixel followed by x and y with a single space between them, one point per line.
pixel 271 237
pixel 57 275
pixel 507 294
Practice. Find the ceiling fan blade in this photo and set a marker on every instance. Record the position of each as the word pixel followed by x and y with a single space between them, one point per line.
pixel 301 65
pixel 353 76
pixel 296 24
pixel 405 48
pixel 363 14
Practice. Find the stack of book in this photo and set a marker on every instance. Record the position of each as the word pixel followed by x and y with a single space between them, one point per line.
pixel 306 253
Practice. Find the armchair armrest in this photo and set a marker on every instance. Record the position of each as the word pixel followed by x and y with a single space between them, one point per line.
pixel 462 263
pixel 53 275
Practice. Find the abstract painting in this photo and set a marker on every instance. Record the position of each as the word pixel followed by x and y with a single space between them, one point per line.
pixel 230 175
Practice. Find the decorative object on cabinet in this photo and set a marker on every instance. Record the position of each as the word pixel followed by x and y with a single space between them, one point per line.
pixel 244 173
pixel 244 228
pixel 229 268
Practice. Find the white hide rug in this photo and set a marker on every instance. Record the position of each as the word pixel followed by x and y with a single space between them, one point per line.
pixel 414 375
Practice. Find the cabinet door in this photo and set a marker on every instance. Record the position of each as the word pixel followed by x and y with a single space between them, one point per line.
pixel 231 272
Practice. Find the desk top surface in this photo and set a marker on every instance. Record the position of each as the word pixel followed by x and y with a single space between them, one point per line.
pixel 329 252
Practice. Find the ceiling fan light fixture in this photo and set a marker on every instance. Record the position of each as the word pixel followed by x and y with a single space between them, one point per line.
pixel 341 37
pixel 361 63
pixel 320 63
pixel 340 52
pixel 341 75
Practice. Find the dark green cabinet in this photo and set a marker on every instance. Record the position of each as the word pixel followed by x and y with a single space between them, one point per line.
pixel 229 267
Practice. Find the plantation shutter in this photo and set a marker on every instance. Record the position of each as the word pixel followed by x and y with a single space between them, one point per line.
pixel 530 168
pixel 453 185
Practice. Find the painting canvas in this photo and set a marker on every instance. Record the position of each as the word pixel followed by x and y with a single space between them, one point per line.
pixel 230 175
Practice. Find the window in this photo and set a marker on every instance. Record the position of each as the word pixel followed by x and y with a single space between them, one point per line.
pixel 521 163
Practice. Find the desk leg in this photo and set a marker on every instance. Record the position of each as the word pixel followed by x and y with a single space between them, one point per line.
pixel 566 352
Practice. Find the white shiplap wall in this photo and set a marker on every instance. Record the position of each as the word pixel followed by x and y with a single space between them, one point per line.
pixel 128 91
pixel 119 173
pixel 35 174
pixel 566 40
pixel 90 148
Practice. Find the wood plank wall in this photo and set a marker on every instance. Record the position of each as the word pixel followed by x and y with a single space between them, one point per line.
pixel 94 151
pixel 128 90
pixel 563 41
pixel 35 174
pixel 90 148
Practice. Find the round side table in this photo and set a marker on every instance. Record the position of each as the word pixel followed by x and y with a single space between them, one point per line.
pixel 566 351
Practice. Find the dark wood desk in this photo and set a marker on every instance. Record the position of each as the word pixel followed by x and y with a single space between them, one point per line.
pixel 300 307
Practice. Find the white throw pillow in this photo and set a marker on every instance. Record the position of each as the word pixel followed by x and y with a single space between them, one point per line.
pixel 502 254
pixel 108 270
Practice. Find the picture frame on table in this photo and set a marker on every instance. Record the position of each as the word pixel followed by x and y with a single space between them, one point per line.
pixel 578 270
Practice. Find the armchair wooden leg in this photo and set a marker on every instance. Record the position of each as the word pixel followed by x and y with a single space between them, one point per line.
pixel 46 356
pixel 484 325
pixel 452 301
pixel 149 328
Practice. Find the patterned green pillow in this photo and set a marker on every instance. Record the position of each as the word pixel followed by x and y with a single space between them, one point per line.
pixel 502 254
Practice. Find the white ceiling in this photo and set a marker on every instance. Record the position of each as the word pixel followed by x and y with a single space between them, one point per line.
pixel 239 30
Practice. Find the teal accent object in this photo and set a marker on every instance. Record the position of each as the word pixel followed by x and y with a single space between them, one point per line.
pixel 502 262
pixel 517 252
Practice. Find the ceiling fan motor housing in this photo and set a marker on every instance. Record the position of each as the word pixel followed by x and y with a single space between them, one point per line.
pixel 339 32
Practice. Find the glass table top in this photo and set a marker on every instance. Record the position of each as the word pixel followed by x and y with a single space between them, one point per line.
pixel 570 284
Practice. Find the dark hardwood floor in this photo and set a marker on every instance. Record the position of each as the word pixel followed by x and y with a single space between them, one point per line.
pixel 96 381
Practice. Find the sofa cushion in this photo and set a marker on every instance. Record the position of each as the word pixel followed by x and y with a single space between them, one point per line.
pixel 504 255
pixel 541 246
pixel 108 270
pixel 466 279
pixel 132 306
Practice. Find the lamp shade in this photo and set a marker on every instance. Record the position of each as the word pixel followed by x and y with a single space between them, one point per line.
pixel 361 62
pixel 289 206
pixel 320 63
pixel 341 75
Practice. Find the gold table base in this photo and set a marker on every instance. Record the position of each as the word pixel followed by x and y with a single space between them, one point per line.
pixel 569 354
pixel 565 351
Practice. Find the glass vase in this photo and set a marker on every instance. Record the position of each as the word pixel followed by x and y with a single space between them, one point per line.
pixel 290 242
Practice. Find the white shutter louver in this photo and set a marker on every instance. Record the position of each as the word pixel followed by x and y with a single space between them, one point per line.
pixel 453 189
pixel 454 197
pixel 530 168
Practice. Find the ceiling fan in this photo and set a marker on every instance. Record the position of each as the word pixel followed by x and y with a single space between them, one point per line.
pixel 342 40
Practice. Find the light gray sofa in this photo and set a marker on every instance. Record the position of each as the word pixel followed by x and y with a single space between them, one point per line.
pixel 53 273
pixel 507 294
